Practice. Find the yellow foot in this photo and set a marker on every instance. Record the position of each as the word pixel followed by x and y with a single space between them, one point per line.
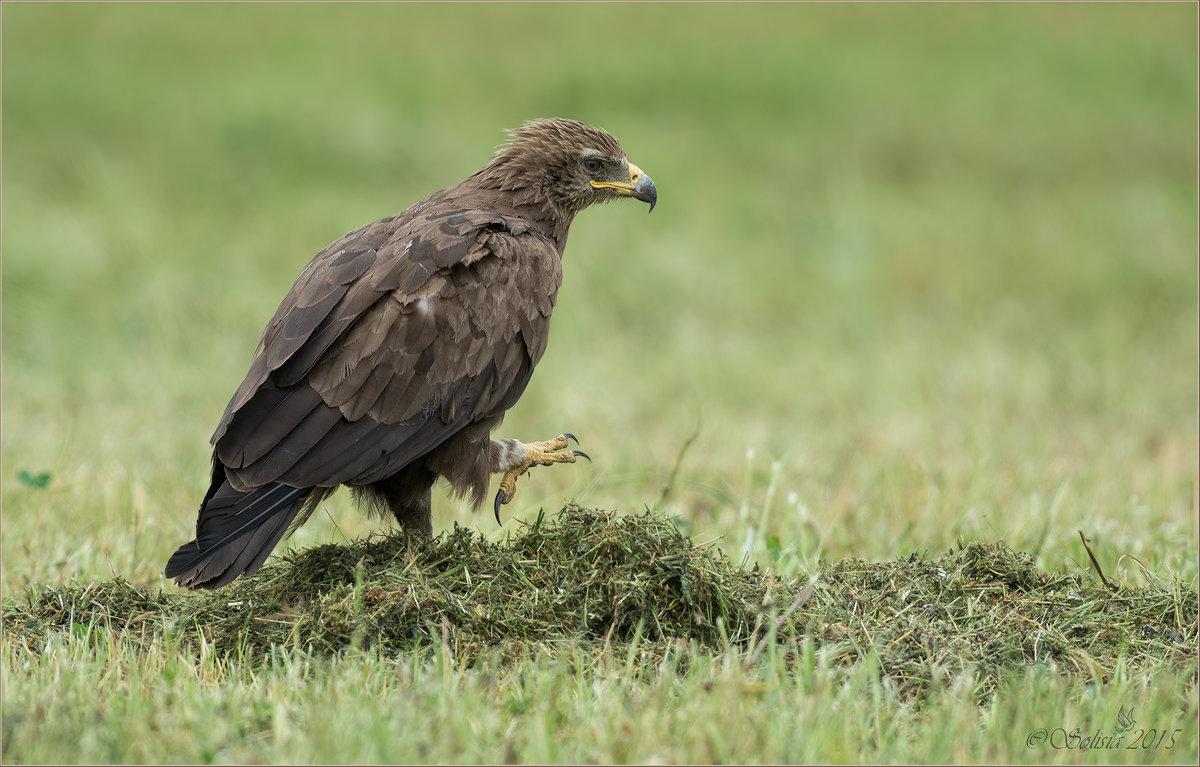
pixel 536 454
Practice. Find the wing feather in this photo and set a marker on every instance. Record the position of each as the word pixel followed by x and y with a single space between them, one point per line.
pixel 392 340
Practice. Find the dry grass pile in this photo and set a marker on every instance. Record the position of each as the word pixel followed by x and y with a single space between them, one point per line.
pixel 987 607
pixel 600 578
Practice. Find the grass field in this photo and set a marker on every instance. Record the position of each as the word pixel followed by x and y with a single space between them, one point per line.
pixel 917 275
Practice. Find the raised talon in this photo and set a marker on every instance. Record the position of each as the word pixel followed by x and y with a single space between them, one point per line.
pixel 499 500
pixel 536 454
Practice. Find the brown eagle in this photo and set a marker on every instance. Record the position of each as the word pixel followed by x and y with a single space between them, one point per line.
pixel 398 350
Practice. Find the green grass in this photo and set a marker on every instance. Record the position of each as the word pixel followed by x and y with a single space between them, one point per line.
pixel 584 589
pixel 918 274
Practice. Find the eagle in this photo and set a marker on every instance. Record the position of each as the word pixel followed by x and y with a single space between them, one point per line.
pixel 398 350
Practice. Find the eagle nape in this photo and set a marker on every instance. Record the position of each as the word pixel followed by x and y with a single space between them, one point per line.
pixel 531 454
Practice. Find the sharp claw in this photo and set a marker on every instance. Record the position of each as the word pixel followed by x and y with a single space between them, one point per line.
pixel 581 454
pixel 569 435
pixel 499 500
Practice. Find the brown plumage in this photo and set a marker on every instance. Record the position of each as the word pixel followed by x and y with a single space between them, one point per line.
pixel 398 350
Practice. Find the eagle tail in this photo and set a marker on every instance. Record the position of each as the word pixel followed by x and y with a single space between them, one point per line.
pixel 234 533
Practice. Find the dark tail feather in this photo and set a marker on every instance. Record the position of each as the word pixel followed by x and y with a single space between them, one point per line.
pixel 234 534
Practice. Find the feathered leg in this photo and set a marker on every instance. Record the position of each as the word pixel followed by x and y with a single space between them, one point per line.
pixel 407 494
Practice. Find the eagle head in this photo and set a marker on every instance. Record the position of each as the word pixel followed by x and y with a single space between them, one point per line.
pixel 568 163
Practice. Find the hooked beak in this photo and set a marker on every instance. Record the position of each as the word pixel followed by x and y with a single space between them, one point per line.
pixel 640 187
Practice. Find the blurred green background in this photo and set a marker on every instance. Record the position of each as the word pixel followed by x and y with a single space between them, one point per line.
pixel 917 272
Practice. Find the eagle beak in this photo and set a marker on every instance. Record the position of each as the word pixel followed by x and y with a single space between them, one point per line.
pixel 640 187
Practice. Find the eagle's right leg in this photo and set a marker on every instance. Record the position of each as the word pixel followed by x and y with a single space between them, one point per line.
pixel 514 458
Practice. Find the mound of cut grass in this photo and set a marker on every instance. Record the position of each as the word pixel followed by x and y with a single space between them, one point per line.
pixel 989 608
pixel 602 579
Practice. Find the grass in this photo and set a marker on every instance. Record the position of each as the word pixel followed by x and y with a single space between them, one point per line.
pixel 637 582
pixel 919 275
pixel 588 590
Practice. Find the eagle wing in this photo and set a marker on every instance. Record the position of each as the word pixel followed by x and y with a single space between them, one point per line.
pixel 392 339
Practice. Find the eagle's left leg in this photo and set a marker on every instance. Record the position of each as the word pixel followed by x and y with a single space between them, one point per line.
pixel 513 458
pixel 407 494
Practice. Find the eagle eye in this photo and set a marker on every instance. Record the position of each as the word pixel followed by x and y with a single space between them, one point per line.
pixel 592 164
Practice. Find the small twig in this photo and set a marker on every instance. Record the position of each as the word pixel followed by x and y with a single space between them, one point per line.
pixel 335 525
pixel 687 443
pixel 1092 557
